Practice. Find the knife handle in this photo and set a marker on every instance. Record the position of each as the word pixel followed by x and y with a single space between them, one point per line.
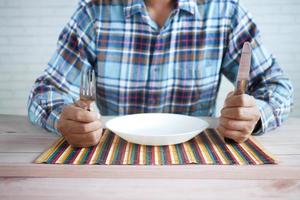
pixel 241 86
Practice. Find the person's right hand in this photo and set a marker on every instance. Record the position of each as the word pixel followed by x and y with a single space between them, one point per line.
pixel 81 128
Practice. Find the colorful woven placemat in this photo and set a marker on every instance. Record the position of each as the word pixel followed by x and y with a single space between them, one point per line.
pixel 206 148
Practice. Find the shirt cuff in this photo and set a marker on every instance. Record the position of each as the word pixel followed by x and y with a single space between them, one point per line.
pixel 267 120
pixel 52 120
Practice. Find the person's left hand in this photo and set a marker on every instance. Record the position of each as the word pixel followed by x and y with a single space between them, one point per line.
pixel 239 117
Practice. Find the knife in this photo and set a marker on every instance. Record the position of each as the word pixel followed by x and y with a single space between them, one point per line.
pixel 243 74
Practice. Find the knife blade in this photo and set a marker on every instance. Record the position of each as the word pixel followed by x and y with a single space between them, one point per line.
pixel 244 69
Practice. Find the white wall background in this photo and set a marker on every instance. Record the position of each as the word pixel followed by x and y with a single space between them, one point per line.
pixel 29 30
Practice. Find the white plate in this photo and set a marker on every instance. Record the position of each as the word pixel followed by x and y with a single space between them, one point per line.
pixel 156 128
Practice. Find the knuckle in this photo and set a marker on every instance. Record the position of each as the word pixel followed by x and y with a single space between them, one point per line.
pixel 61 129
pixel 228 101
pixel 239 112
pixel 243 100
pixel 227 123
pixel 61 125
pixel 222 122
pixel 78 115
pixel 93 116
pixel 250 128
pixel 252 99
pixel 241 139
pixel 99 124
pixel 64 110
pixel 88 116
pixel 257 114
pixel 244 137
pixel 93 143
pixel 72 142
pixel 101 132
pixel 225 132
pixel 230 93
pixel 83 128
pixel 245 128
pixel 81 104
pixel 94 139
pixel 230 124
pixel 223 112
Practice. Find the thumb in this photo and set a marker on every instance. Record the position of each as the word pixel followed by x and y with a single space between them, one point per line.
pixel 230 94
pixel 81 104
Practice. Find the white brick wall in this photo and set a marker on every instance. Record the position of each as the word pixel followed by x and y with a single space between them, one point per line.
pixel 28 35
pixel 279 22
pixel 29 30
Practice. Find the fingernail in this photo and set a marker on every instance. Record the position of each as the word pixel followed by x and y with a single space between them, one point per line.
pixel 98 116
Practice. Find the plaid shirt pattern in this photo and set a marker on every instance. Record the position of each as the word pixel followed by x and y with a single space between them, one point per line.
pixel 142 68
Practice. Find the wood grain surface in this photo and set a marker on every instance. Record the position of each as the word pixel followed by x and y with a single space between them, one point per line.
pixel 21 143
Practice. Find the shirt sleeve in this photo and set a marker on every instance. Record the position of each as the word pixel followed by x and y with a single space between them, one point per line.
pixel 59 84
pixel 269 85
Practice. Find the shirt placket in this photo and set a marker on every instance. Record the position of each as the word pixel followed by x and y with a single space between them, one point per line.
pixel 154 73
pixel 155 65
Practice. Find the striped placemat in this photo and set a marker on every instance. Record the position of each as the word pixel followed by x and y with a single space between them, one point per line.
pixel 206 148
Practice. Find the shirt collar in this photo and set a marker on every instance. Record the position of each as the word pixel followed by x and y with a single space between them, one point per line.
pixel 188 6
pixel 132 7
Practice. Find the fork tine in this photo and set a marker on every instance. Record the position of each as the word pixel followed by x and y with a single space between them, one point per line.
pixel 88 86
pixel 90 81
pixel 82 84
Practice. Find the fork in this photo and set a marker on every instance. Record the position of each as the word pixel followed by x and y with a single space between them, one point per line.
pixel 88 87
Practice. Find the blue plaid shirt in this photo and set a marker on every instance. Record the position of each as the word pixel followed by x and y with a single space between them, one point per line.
pixel 142 68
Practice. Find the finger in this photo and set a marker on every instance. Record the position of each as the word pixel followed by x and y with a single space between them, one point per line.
pixel 85 140
pixel 237 136
pixel 242 100
pixel 241 113
pixel 83 128
pixel 228 133
pixel 237 125
pixel 74 113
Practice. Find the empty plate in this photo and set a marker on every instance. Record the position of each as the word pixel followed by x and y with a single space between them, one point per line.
pixel 156 128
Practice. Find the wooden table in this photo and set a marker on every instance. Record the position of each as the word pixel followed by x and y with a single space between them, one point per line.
pixel 21 143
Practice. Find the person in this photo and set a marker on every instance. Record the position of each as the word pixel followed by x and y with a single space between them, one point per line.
pixel 159 56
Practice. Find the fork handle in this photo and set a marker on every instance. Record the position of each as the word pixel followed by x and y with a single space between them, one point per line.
pixel 241 87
